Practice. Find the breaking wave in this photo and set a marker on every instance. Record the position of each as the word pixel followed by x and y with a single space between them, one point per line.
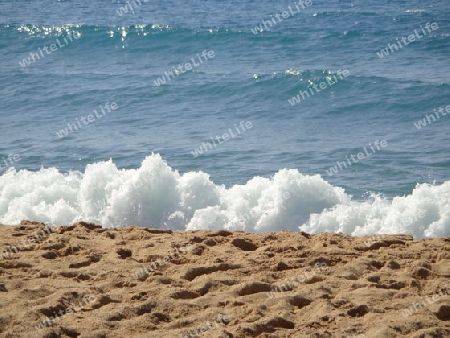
pixel 157 196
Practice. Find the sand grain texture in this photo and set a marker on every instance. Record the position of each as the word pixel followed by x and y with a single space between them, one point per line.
pixel 221 284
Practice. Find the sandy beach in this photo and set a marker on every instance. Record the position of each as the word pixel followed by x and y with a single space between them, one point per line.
pixel 85 281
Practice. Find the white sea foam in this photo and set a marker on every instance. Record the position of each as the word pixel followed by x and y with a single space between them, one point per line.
pixel 155 195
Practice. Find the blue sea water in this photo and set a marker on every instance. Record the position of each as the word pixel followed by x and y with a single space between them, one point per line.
pixel 136 164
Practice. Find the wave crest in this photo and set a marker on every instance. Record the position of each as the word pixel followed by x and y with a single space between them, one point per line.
pixel 155 195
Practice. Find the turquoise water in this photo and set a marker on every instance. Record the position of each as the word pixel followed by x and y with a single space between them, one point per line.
pixel 102 56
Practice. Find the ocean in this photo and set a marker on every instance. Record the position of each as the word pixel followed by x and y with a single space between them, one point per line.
pixel 246 115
